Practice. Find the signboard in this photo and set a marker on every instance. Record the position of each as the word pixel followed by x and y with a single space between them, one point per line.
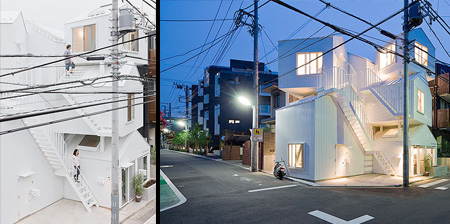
pixel 257 135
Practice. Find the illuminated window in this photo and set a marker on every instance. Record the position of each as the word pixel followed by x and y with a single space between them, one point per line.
pixel 83 38
pixel 237 121
pixel 130 108
pixel 387 58
pixel 421 54
pixel 131 46
pixel 313 66
pixel 420 101
pixel 231 121
pixel 295 155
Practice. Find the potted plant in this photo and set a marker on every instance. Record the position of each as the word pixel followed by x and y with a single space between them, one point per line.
pixel 138 179
pixel 427 165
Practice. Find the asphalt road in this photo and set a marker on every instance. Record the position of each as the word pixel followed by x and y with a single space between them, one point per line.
pixel 217 192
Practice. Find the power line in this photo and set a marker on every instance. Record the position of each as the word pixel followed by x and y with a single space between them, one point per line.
pixel 193 20
pixel 70 118
pixel 140 13
pixel 72 56
pixel 60 109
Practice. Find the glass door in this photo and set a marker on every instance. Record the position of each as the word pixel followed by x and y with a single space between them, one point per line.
pixel 124 185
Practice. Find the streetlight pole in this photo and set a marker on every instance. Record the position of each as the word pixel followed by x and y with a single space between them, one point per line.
pixel 406 97
pixel 254 144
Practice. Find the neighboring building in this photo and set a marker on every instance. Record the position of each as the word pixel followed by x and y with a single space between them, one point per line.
pixel 217 107
pixel 347 117
pixel 440 91
pixel 36 167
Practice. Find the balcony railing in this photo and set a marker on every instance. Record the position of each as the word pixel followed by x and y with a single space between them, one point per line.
pixel 264 110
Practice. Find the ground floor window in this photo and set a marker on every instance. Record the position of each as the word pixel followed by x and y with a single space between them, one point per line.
pixel 295 155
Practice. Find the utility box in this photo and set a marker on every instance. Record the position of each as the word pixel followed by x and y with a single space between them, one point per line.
pixel 126 20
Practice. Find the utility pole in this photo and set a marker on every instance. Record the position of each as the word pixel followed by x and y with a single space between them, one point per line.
pixel 115 116
pixel 406 96
pixel 170 115
pixel 254 145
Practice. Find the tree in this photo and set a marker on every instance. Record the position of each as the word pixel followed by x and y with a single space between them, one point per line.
pixel 204 138
pixel 195 135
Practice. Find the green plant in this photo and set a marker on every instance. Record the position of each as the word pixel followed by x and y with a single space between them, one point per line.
pixel 138 180
pixel 427 163
pixel 153 156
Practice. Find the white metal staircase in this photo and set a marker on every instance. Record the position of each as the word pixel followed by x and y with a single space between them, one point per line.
pixel 339 80
pixel 54 149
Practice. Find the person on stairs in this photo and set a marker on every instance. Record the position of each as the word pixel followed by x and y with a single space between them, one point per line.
pixel 76 164
pixel 69 63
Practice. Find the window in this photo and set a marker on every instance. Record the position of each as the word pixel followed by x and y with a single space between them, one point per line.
pixel 217 91
pixel 237 121
pixel 83 38
pixel 387 58
pixel 230 121
pixel 130 108
pixel 131 46
pixel 421 54
pixel 314 67
pixel 206 99
pixel 295 155
pixel 420 101
pixel 90 141
pixel 207 79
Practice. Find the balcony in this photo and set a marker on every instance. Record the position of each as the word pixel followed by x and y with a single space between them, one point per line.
pixel 264 110
pixel 443 118
pixel 443 86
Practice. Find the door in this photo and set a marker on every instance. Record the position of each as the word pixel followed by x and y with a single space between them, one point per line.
pixel 124 185
pixel 24 197
pixel 340 160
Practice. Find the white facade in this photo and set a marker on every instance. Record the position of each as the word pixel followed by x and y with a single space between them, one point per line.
pixel 347 119
pixel 36 168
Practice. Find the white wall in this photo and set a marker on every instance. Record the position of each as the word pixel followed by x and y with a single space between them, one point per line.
pixel 295 124
pixel 21 158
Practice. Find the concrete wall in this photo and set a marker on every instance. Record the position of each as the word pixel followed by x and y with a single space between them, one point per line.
pixel 19 154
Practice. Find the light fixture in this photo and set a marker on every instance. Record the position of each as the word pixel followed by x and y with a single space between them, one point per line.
pixel 181 123
pixel 244 101
pixel 165 130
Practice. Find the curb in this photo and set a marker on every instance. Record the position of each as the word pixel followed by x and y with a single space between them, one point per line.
pixel 175 190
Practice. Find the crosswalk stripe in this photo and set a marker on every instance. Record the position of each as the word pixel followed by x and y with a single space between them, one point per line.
pixel 433 183
pixel 441 188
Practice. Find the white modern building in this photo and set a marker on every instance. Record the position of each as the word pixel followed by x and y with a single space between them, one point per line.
pixel 344 113
pixel 35 163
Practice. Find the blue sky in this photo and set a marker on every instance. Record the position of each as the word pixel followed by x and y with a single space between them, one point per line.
pixel 278 23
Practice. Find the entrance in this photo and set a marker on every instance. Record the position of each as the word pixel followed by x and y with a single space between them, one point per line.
pixel 418 157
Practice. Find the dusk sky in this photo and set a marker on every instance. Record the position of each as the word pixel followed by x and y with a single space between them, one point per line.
pixel 278 23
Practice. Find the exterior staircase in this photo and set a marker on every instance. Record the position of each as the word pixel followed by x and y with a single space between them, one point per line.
pixel 350 104
pixel 54 149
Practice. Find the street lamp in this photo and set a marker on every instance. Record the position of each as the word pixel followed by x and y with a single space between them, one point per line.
pixel 254 145
pixel 183 123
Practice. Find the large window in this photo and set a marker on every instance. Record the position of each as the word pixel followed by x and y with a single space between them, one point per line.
pixel 313 66
pixel 421 54
pixel 295 155
pixel 420 101
pixel 131 46
pixel 83 38
pixel 387 58
pixel 130 108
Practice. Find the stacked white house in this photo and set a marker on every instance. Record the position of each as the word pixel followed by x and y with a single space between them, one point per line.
pixel 344 113
pixel 36 168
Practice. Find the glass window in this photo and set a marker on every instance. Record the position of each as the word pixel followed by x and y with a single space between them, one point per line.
pixel 131 46
pixel 387 58
pixel 237 121
pixel 90 141
pixel 230 121
pixel 206 99
pixel 420 101
pixel 130 108
pixel 421 54
pixel 83 38
pixel 314 60
pixel 295 155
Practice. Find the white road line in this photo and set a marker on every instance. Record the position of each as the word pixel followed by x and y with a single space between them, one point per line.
pixel 175 190
pixel 335 220
pixel 165 166
pixel 433 183
pixel 445 187
pixel 272 188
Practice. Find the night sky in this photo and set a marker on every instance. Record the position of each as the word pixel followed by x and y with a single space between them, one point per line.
pixel 278 23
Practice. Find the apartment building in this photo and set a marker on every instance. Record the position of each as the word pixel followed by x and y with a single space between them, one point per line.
pixel 346 114
pixel 217 107
pixel 36 166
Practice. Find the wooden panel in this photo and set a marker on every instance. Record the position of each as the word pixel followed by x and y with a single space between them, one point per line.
pixel 443 118
pixel 153 109
pixel 443 84
pixel 152 63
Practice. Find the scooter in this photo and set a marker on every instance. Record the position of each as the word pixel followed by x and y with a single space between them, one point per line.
pixel 279 171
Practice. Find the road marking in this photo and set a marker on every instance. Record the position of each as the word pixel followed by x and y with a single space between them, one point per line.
pixel 164 166
pixel 335 220
pixel 445 187
pixel 433 183
pixel 272 188
pixel 174 189
pixel 235 175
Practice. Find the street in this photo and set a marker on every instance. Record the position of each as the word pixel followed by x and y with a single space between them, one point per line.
pixel 218 192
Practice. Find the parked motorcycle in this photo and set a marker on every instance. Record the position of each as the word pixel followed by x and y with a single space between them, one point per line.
pixel 279 171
